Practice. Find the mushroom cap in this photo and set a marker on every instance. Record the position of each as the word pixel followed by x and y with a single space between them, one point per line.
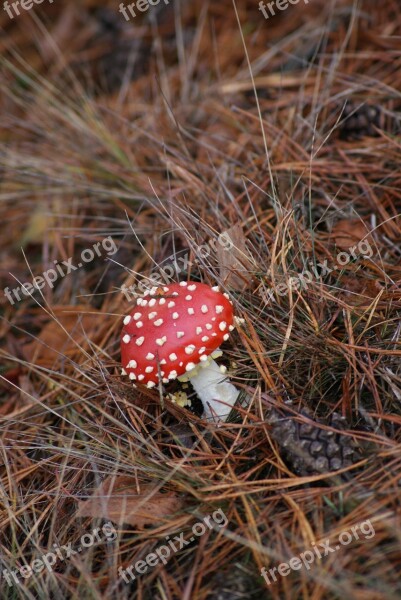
pixel 172 329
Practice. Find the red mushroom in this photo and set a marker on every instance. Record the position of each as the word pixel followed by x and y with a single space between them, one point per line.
pixel 175 332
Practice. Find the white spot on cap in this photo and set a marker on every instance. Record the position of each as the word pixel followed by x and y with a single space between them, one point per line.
pixel 172 374
pixel 165 380
pixel 180 334
pixel 213 319
pixel 204 309
pixel 150 384
pixel 123 372
pixel 158 322
pixel 226 296
pixel 183 283
pixel 162 301
pixel 189 349
pixel 201 351
pixel 174 294
pixel 175 315
pixel 189 297
pixel 173 356
pixel 161 341
pixel 152 315
pixel 149 369
pixel 180 364
pixel 219 309
pixel 140 341
pixel 209 326
pixel 171 304
pixel 222 326
pixel 163 361
pixel 230 327
pixel 216 288
pixel 225 337
pixel 140 301
pixel 127 319
pixel 190 366
pixel 205 338
pixel 139 324
pixel 126 339
pixel 137 316
pixel 191 311
pixel 141 377
pixel 199 330
pixel 214 334
pixel 132 376
pixel 152 302
pixel 132 364
pixel 166 289
pixel 192 287
pixel 150 356
pixel 203 358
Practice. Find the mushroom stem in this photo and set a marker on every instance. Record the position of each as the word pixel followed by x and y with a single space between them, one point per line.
pixel 217 394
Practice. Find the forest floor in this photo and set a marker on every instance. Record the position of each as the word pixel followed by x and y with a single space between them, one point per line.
pixel 247 145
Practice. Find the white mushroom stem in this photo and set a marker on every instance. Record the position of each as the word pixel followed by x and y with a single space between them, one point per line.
pixel 217 394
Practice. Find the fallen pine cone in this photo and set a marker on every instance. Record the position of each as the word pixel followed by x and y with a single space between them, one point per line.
pixel 236 585
pixel 309 447
pixel 360 121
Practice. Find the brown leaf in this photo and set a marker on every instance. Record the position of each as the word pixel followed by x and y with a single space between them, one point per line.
pixel 349 232
pixel 357 291
pixel 118 499
pixel 234 258
pixel 68 335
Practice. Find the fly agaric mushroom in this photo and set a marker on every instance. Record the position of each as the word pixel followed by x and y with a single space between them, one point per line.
pixel 175 332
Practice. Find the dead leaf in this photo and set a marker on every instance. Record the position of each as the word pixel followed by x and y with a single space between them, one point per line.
pixel 234 258
pixel 117 499
pixel 349 232
pixel 40 224
pixel 358 291
pixel 68 335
